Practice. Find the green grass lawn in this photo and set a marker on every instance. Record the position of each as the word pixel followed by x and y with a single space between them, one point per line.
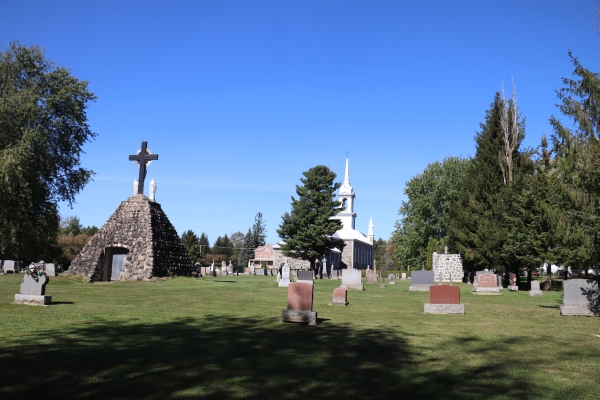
pixel 221 338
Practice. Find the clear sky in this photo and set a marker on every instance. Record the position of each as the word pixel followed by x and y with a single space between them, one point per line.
pixel 238 98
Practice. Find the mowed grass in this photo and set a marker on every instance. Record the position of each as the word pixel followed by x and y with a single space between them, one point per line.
pixel 221 337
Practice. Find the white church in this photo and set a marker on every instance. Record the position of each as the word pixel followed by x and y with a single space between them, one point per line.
pixel 357 253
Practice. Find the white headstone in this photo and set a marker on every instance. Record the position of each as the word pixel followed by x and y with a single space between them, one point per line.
pixel 285 276
pixel 352 279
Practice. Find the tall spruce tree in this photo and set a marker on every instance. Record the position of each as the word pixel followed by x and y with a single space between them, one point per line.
pixel 204 245
pixel 307 230
pixel 190 242
pixel 259 231
pixel 475 225
pixel 247 251
pixel 578 163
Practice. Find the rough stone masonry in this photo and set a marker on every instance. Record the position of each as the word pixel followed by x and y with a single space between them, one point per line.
pixel 448 265
pixel 141 228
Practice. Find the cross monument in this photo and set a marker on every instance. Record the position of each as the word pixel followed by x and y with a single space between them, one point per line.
pixel 143 158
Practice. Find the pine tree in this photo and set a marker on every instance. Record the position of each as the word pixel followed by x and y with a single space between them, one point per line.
pixel 307 230
pixel 247 252
pixel 475 224
pixel 190 242
pixel 204 245
pixel 259 231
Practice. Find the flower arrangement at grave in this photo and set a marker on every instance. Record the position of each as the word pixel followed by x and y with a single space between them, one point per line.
pixel 35 270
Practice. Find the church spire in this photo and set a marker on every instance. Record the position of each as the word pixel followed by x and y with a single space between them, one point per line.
pixel 346 188
pixel 371 235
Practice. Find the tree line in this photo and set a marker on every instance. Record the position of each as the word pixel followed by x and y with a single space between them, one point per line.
pixel 508 207
pixel 237 248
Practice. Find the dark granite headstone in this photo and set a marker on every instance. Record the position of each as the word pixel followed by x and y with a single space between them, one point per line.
pixel 304 275
pixel 422 277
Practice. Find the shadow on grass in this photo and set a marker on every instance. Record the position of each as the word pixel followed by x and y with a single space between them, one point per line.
pixel 58 303
pixel 216 358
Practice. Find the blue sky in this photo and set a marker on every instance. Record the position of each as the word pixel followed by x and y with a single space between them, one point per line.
pixel 238 98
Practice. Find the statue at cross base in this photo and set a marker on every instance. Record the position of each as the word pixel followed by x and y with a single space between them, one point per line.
pixel 143 158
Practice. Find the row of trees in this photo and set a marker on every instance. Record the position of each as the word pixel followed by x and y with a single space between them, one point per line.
pixel 510 207
pixel 238 248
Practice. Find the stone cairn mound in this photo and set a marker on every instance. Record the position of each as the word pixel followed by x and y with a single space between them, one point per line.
pixel 140 226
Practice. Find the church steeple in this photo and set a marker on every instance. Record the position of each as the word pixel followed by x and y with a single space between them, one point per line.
pixel 346 196
pixel 370 234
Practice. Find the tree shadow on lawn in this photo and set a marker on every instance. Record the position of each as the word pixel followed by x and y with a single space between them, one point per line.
pixel 216 358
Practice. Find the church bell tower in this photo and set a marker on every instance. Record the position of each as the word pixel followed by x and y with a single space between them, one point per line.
pixel 346 196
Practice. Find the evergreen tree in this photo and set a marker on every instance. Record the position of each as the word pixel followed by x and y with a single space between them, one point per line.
pixel 578 164
pixel 204 245
pixel 259 231
pixel 247 251
pixel 191 244
pixel 307 230
pixel 475 222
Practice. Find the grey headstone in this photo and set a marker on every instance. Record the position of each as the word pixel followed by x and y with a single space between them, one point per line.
pixel 422 277
pixel 304 275
pixel 9 265
pixel 535 285
pixel 31 287
pixel 51 269
pixel 580 292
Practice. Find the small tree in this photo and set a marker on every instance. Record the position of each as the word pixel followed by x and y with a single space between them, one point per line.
pixel 307 230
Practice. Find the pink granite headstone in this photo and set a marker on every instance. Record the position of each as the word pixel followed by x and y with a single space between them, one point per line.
pixel 443 294
pixel 300 296
pixel 487 281
pixel 340 297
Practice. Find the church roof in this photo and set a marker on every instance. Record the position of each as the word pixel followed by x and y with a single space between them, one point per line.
pixel 351 234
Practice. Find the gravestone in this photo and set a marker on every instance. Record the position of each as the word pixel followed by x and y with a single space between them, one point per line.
pixel 486 283
pixel 230 268
pixel 300 303
pixel 444 299
pixel 371 276
pixel 33 292
pixel 420 281
pixel 392 278
pixel 305 276
pixel 513 283
pixel 535 289
pixel 223 268
pixel 340 297
pixel 285 276
pixel 403 276
pixel 580 297
pixel 352 279
pixel 51 269
pixel 334 274
pixel 247 271
pixel 10 266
